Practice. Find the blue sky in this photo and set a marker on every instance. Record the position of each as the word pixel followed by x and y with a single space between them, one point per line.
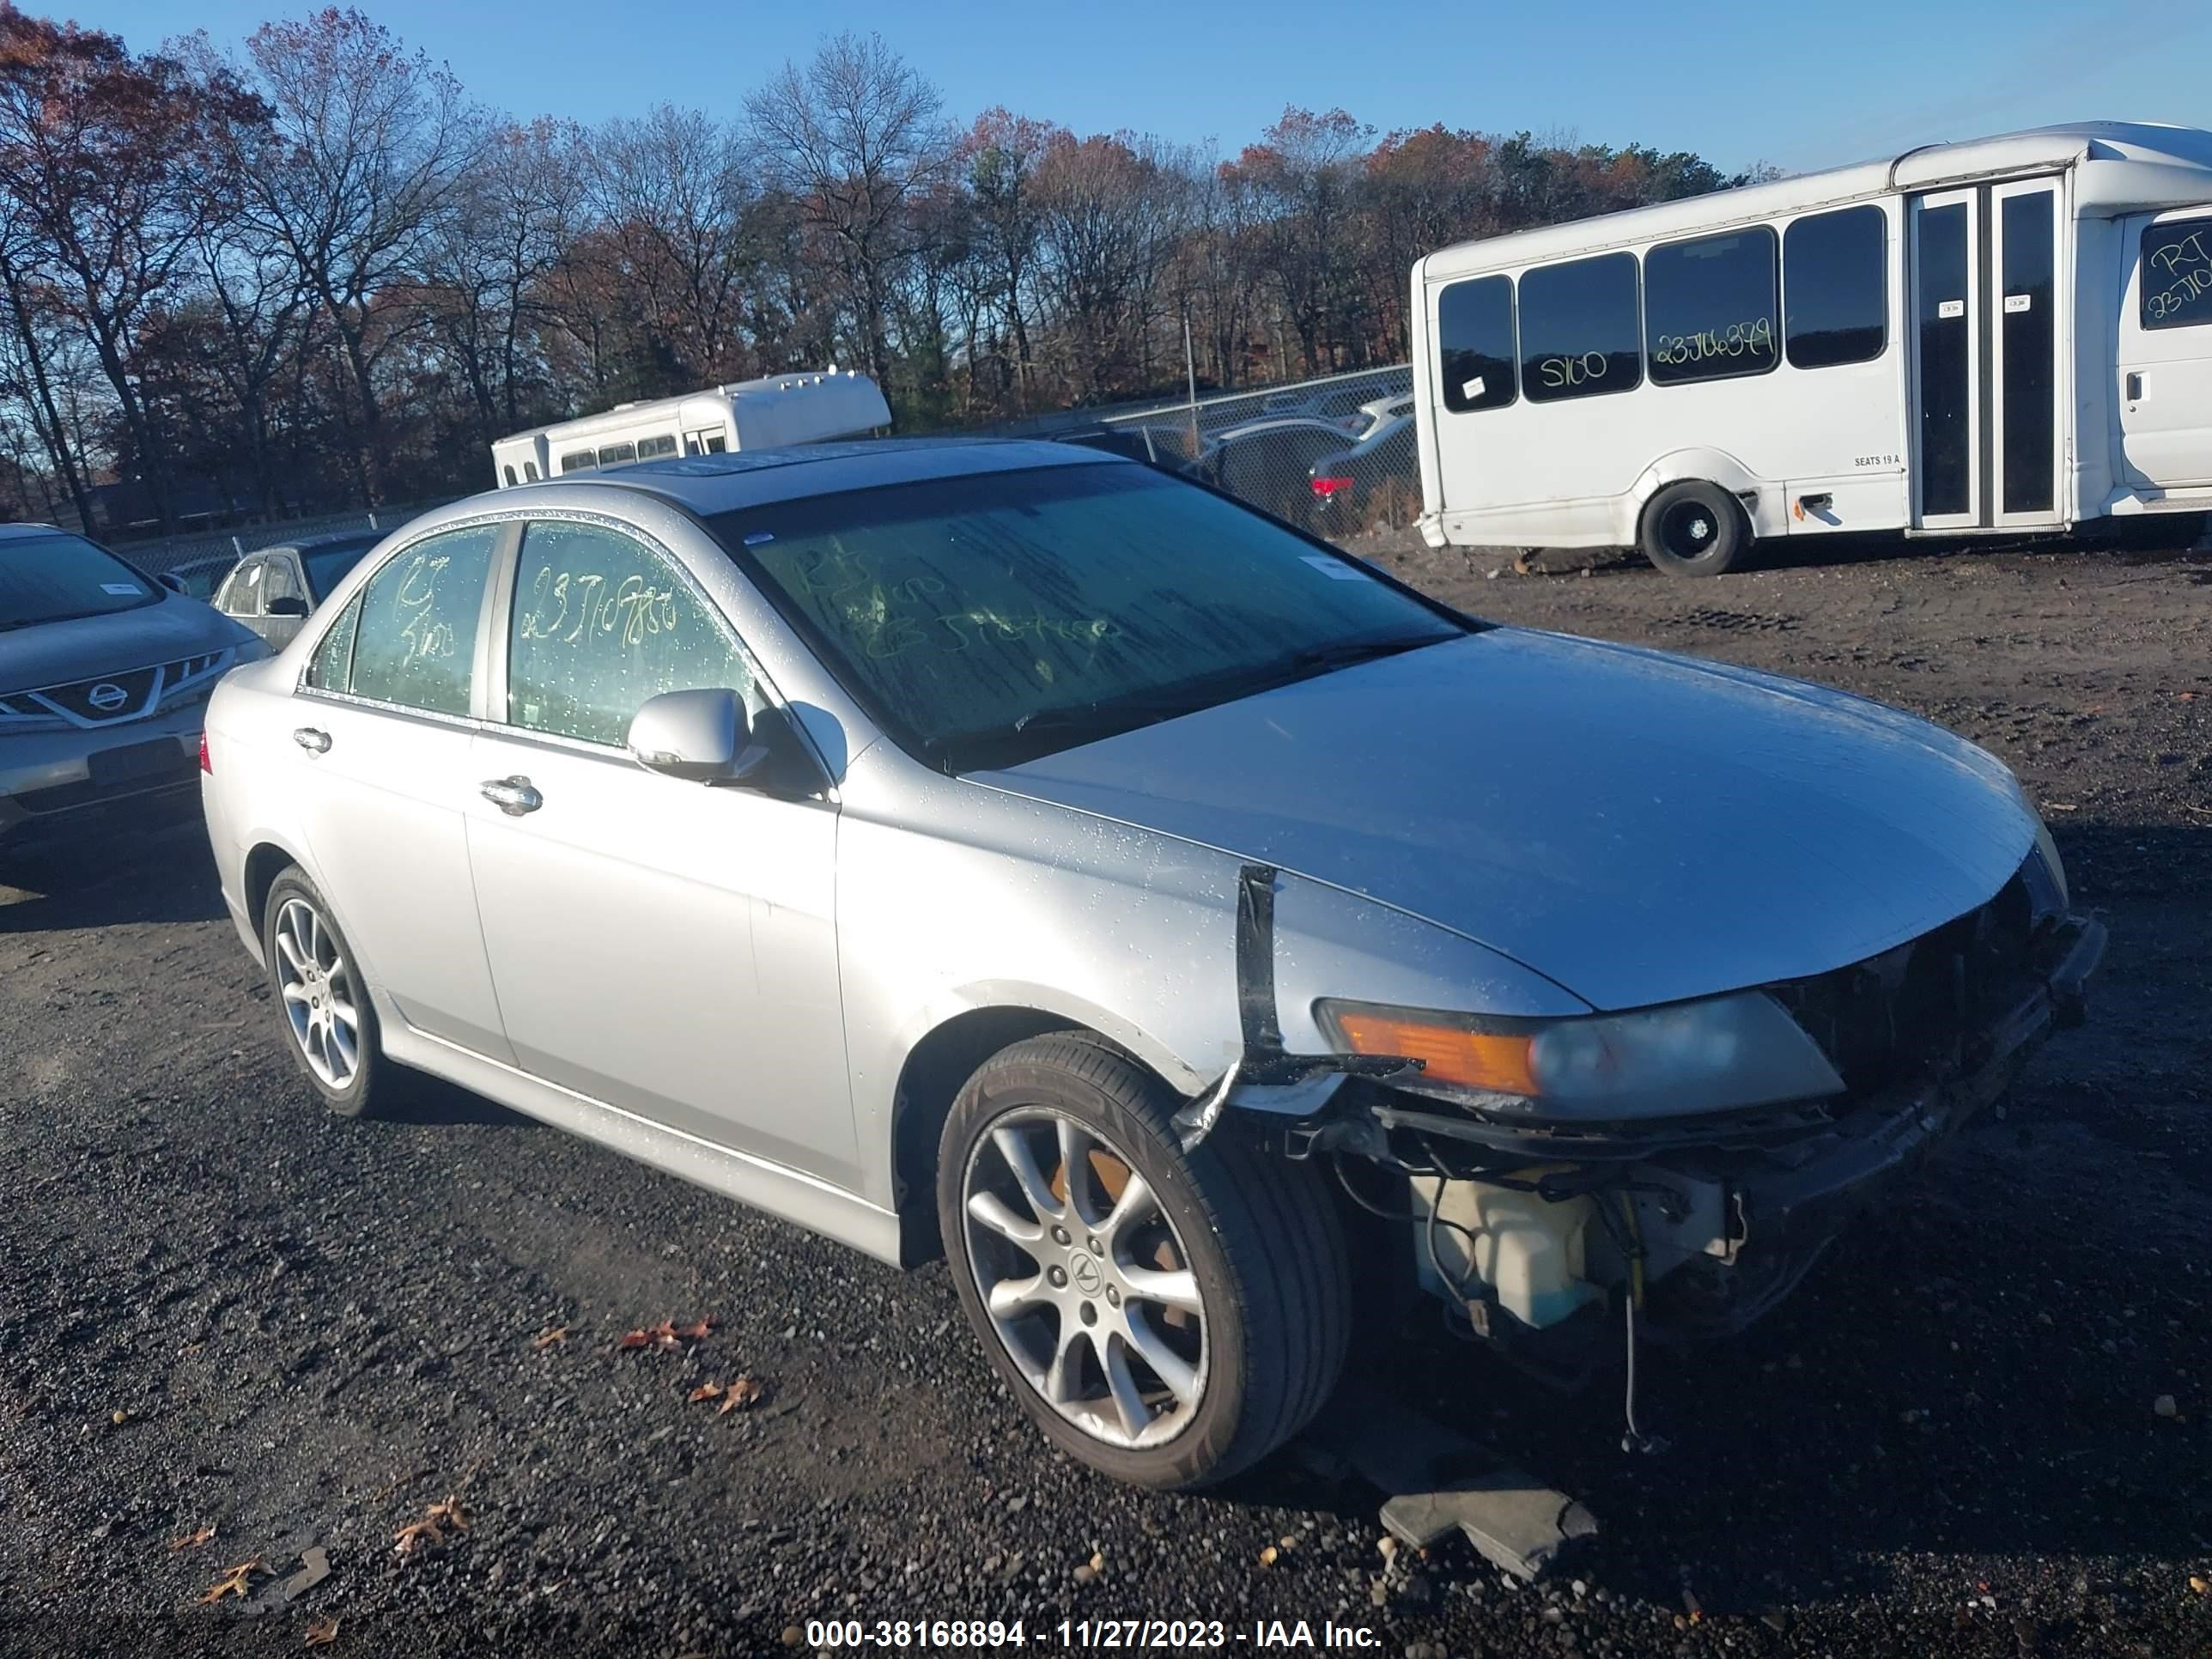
pixel 1739 83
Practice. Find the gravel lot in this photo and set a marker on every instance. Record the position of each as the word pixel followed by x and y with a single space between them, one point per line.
pixel 219 1309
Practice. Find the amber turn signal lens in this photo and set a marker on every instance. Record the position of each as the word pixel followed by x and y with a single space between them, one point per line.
pixel 1493 1061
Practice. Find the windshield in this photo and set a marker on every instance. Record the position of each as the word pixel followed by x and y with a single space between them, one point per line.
pixel 989 619
pixel 326 566
pixel 46 579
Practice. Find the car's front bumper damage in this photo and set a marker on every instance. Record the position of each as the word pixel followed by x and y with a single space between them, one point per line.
pixel 1530 1232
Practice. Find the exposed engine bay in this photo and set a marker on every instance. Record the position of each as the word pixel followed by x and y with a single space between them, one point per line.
pixel 1545 1238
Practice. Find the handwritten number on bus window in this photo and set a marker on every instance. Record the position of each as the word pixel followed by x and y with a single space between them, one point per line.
pixel 1753 338
pixel 2177 282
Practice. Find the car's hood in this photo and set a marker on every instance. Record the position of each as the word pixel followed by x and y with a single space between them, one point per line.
pixel 86 647
pixel 1640 828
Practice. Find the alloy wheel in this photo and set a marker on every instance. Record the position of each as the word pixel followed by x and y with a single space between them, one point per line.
pixel 1085 1279
pixel 321 1000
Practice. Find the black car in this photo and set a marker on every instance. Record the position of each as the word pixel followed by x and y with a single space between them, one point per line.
pixel 1351 485
pixel 1166 447
pixel 272 589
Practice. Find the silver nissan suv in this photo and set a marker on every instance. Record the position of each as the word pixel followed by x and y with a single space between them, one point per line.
pixel 105 676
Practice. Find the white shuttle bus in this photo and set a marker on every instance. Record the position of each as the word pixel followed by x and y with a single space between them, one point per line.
pixel 2005 337
pixel 774 409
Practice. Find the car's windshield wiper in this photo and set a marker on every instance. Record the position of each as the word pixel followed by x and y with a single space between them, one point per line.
pixel 1342 653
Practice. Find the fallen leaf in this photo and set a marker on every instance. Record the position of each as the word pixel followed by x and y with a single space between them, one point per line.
pixel 236 1581
pixel 118 1417
pixel 1268 1556
pixel 666 1335
pixel 191 1541
pixel 415 1534
pixel 322 1632
pixel 740 1394
pixel 450 1513
pixel 546 1339
pixel 2199 1585
pixel 704 1391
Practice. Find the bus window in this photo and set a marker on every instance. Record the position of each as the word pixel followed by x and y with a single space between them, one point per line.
pixel 1709 307
pixel 1835 283
pixel 1475 344
pixel 578 460
pixel 2177 266
pixel 1581 335
pixel 649 449
pixel 714 443
pixel 530 472
pixel 691 443
pixel 615 454
pixel 507 473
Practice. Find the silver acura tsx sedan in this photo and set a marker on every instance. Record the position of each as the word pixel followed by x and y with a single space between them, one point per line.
pixel 1011 850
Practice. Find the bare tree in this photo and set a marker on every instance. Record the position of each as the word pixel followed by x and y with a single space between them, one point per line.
pixel 369 146
pixel 1002 152
pixel 1111 209
pixel 514 218
pixel 1306 168
pixel 27 376
pixel 105 157
pixel 672 189
pixel 854 138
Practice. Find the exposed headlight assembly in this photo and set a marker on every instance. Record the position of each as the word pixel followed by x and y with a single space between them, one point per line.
pixel 1715 1055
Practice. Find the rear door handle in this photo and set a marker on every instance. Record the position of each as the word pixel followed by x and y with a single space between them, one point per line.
pixel 513 796
pixel 2135 387
pixel 314 742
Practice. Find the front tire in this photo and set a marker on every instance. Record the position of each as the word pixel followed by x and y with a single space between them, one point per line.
pixel 1168 1318
pixel 330 1025
pixel 1694 529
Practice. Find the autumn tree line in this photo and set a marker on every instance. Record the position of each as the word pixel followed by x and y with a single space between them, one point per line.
pixel 311 273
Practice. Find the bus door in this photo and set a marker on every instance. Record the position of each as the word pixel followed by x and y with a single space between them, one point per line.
pixel 1988 292
pixel 2165 349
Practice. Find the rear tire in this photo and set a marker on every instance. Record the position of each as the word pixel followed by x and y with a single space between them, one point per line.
pixel 322 1001
pixel 1694 529
pixel 1230 1267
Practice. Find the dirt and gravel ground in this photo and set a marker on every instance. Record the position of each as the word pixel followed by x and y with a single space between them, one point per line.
pixel 219 1311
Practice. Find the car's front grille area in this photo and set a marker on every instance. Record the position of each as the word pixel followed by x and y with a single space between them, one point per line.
pixel 1921 1005
pixel 110 699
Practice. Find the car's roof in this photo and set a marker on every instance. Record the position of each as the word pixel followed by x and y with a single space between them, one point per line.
pixel 363 539
pixel 14 531
pixel 725 483
pixel 1278 423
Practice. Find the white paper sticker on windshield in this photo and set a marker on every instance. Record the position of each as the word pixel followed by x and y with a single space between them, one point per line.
pixel 126 589
pixel 1334 569
pixel 1951 308
pixel 1471 388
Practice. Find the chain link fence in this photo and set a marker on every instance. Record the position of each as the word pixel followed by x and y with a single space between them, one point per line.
pixel 200 559
pixel 1334 454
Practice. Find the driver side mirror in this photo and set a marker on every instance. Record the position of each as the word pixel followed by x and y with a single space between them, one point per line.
pixel 286 604
pixel 172 581
pixel 700 736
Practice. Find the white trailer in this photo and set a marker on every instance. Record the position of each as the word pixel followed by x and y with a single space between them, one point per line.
pixel 2007 336
pixel 774 409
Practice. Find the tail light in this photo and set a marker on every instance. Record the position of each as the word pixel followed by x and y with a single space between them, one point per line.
pixel 206 765
pixel 1326 488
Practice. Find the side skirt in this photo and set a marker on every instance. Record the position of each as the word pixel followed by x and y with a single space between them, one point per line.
pixel 785 1193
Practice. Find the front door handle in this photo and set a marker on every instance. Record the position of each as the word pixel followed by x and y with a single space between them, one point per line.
pixel 513 796
pixel 314 742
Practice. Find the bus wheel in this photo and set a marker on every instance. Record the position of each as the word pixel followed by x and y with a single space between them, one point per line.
pixel 1694 529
